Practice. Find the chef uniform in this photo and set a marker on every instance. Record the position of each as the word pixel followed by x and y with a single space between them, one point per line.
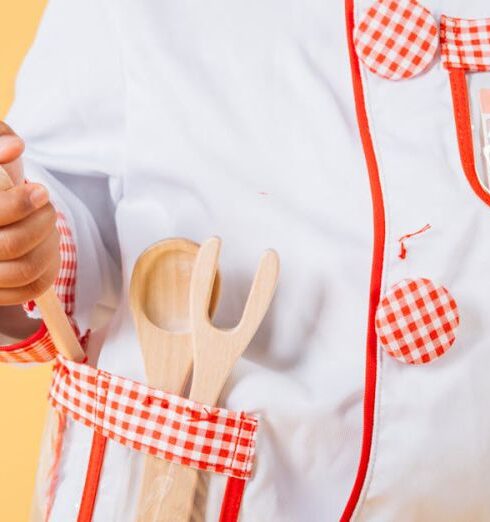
pixel 269 124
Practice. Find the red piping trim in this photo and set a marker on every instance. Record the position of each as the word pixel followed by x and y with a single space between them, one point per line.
pixel 230 508
pixel 92 478
pixel 462 118
pixel 376 268
pixel 36 336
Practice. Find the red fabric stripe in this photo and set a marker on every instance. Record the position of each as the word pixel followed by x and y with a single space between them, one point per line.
pixel 376 269
pixel 230 508
pixel 92 478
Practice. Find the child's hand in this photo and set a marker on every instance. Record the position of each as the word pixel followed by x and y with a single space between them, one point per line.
pixel 29 241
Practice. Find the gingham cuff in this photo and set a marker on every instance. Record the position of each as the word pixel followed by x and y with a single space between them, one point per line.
pixel 36 348
pixel 39 347
pixel 64 284
pixel 154 422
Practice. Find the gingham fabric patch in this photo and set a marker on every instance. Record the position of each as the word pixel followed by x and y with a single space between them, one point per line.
pixel 39 347
pixel 465 44
pixel 396 39
pixel 416 321
pixel 154 422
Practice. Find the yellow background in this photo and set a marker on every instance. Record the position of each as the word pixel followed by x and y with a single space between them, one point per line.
pixel 23 391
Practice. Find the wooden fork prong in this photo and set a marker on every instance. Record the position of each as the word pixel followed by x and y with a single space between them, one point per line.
pixel 259 299
pixel 202 282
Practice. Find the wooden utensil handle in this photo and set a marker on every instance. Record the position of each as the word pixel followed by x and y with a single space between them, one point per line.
pixel 172 494
pixel 62 333
pixel 215 351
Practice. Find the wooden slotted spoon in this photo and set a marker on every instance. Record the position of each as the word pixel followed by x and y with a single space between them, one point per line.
pixel 159 300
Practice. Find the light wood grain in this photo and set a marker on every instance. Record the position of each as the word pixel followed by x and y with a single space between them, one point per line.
pixel 159 299
pixel 216 351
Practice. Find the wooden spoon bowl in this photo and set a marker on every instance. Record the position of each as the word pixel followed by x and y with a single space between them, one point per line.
pixel 159 300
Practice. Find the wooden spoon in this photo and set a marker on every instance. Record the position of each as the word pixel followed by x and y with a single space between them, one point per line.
pixel 159 299
pixel 216 351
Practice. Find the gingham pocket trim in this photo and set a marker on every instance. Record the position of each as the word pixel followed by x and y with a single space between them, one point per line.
pixel 465 44
pixel 155 422
pixel 416 321
pixel 396 39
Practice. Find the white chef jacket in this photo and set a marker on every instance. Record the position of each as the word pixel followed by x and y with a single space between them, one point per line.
pixel 158 119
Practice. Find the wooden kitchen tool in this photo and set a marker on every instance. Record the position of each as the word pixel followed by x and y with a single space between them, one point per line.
pixel 216 351
pixel 159 299
pixel 62 333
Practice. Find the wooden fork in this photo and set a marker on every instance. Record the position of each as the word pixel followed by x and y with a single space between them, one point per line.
pixel 215 351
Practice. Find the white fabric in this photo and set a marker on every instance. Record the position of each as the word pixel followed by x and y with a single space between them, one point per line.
pixel 431 455
pixel 237 119
pixel 195 110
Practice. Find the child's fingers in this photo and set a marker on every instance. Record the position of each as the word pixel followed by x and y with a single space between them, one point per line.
pixel 30 267
pixel 11 146
pixel 21 237
pixel 21 201
pixel 29 243
pixel 20 295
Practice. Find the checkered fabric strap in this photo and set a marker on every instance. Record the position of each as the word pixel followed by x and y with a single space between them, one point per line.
pixel 154 422
pixel 416 321
pixel 465 44
pixel 396 39
pixel 39 347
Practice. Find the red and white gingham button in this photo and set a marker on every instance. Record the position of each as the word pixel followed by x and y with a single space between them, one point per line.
pixel 416 321
pixel 396 39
